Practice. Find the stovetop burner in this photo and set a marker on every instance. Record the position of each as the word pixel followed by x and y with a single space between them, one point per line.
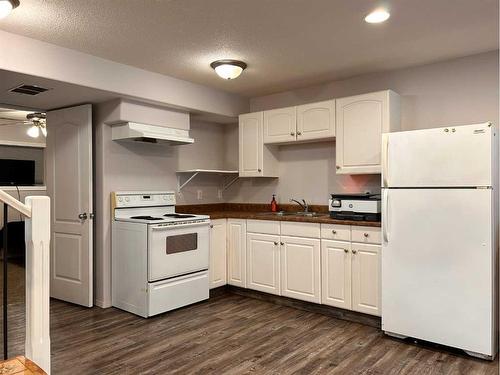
pixel 179 216
pixel 146 218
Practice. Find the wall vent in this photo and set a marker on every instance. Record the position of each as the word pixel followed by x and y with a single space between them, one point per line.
pixel 28 89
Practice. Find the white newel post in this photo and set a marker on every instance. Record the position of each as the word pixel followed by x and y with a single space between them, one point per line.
pixel 38 282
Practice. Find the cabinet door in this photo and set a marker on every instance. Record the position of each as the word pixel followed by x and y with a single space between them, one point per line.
pixel 300 268
pixel 218 257
pixel 250 144
pixel 236 243
pixel 360 123
pixel 336 273
pixel 366 278
pixel 280 125
pixel 263 263
pixel 316 121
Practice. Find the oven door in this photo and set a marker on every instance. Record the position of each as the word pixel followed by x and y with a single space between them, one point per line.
pixel 177 250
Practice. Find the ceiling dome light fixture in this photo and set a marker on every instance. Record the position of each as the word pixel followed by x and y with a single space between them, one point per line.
pixel 378 16
pixel 6 7
pixel 228 69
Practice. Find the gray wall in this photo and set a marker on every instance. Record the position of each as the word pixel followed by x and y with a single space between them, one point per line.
pixel 135 166
pixel 455 92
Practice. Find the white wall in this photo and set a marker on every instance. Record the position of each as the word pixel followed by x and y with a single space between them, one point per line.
pixel 17 135
pixel 135 166
pixel 455 92
pixel 125 81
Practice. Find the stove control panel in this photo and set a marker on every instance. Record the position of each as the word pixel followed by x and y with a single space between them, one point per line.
pixel 122 199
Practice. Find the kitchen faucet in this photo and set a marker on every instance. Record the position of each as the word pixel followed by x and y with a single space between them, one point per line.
pixel 304 205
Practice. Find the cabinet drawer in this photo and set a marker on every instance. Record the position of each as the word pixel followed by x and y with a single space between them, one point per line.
pixel 366 235
pixel 179 291
pixel 263 226
pixel 336 232
pixel 298 229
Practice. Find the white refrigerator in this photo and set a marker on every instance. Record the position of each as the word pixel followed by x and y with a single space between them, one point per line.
pixel 440 236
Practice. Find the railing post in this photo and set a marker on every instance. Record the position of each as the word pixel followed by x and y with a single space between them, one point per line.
pixel 38 282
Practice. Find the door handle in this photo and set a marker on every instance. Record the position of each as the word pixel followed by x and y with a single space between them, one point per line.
pixel 385 215
pixel 385 160
pixel 83 216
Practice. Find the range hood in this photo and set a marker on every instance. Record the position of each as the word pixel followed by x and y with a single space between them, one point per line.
pixel 135 132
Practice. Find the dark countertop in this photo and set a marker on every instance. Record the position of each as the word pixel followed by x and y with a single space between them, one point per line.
pixel 260 212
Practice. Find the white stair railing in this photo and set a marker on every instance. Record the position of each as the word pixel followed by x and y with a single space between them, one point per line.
pixel 37 213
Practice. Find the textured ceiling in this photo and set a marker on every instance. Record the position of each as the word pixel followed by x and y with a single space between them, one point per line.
pixel 286 43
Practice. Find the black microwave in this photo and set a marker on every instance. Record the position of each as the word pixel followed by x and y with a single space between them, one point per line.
pixel 17 172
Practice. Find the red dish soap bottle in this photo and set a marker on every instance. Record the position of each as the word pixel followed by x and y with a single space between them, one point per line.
pixel 274 204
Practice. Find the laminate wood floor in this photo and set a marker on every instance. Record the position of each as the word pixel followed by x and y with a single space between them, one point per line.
pixel 232 334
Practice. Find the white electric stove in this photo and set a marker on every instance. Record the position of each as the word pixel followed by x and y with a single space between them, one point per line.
pixel 159 257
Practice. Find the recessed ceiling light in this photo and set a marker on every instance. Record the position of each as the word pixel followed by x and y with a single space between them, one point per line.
pixel 6 7
pixel 378 16
pixel 228 69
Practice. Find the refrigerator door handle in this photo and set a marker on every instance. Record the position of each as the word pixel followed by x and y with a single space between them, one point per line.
pixel 385 160
pixel 385 215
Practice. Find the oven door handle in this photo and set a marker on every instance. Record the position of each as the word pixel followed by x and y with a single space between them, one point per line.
pixel 180 226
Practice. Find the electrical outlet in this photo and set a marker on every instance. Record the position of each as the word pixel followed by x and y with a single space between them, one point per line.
pixel 219 193
pixel 199 195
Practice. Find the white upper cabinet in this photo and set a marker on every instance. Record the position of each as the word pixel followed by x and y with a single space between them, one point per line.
pixel 316 121
pixel 308 122
pixel 280 125
pixel 255 159
pixel 360 122
pixel 218 254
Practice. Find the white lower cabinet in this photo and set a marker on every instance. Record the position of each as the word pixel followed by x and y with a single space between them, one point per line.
pixel 300 268
pixel 218 253
pixel 351 272
pixel 366 278
pixel 336 273
pixel 290 259
pixel 236 246
pixel 263 262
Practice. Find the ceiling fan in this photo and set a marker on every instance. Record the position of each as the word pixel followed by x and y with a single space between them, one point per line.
pixel 37 120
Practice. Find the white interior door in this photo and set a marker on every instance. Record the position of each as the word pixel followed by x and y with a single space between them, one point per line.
pixel 69 185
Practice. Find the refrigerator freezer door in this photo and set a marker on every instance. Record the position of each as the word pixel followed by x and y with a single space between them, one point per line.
pixel 444 157
pixel 437 267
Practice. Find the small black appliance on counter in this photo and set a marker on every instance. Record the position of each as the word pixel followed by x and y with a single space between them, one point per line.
pixel 357 207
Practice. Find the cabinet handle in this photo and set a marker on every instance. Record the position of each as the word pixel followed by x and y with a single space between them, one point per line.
pixel 346 251
pixel 275 243
pixel 292 134
pixel 211 225
pixel 338 167
pixel 354 251
pixel 334 231
pixel 259 170
pixel 282 243
pixel 299 133
pixel 366 235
